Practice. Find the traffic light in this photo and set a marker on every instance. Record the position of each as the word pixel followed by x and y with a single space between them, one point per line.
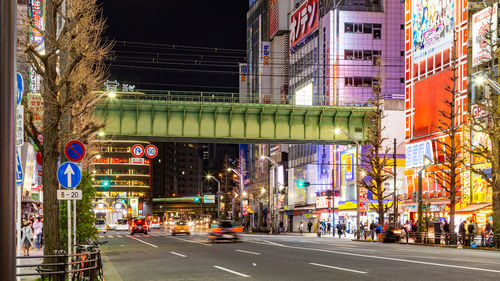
pixel 302 183
pixel 197 199
pixel 105 183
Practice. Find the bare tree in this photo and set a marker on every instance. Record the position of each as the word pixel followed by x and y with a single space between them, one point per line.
pixel 488 122
pixel 376 159
pixel 71 67
pixel 448 174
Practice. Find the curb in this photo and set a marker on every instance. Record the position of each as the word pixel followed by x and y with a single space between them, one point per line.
pixel 109 270
pixel 435 245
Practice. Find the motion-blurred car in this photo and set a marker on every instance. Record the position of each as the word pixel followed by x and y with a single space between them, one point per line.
pixel 122 225
pixel 155 224
pixel 139 226
pixel 180 227
pixel 224 230
pixel 112 226
pixel 100 225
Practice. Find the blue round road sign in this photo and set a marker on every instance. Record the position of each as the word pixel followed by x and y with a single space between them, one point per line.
pixel 74 150
pixel 69 175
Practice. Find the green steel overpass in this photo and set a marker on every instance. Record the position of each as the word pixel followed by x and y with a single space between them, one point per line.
pixel 225 118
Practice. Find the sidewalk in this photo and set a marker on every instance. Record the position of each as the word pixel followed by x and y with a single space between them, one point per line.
pixel 33 252
pixel 304 234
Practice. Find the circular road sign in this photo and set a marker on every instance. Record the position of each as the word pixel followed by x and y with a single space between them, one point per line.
pixel 74 150
pixel 151 151
pixel 137 150
pixel 69 175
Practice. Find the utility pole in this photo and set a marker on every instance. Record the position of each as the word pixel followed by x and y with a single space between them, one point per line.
pixel 8 13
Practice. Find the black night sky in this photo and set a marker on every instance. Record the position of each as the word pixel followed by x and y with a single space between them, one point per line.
pixel 145 32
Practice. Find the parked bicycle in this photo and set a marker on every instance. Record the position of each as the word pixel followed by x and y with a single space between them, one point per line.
pixel 89 261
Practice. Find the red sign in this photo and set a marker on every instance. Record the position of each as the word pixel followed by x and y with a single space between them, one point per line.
pixel 137 150
pixel 151 151
pixel 303 21
pixel 273 17
pixel 74 151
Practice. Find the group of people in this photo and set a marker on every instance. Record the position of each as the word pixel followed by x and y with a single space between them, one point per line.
pixel 469 228
pixel 323 228
pixel 31 234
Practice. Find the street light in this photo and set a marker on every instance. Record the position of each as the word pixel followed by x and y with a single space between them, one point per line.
pixel 275 166
pixel 427 162
pixel 339 130
pixel 218 193
pixel 241 190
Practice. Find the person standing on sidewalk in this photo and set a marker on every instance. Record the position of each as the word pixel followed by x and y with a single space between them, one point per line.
pixel 339 230
pixel 309 226
pixel 344 228
pixel 323 227
pixel 372 229
pixel 328 228
pixel 38 228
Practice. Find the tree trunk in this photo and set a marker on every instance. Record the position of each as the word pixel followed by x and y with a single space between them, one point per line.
pixel 496 206
pixel 381 212
pixel 452 212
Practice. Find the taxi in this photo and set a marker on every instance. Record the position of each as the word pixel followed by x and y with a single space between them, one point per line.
pixel 180 227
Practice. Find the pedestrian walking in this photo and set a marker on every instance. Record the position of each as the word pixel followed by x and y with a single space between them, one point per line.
pixel 38 229
pixel 372 229
pixel 328 228
pixel 301 227
pixel 462 232
pixel 378 230
pixel 309 226
pixel 281 228
pixel 344 228
pixel 318 229
pixel 26 237
pixel 323 227
pixel 339 230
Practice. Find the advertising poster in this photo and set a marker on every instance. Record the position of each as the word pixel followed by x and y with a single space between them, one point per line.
pixel 433 24
pixel 35 106
pixel 134 205
pixel 481 23
pixel 303 21
pixel 347 162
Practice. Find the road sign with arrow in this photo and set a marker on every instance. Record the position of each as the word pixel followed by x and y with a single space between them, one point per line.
pixel 69 175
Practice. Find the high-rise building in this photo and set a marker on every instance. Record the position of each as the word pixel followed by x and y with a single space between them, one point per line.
pixel 122 181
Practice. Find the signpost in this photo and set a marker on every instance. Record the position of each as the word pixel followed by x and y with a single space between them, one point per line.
pixel 19 170
pixel 137 150
pixel 151 151
pixel 74 151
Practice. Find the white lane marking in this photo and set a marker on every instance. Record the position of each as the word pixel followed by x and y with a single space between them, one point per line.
pixel 186 240
pixel 144 242
pixel 231 271
pixel 180 255
pixel 339 268
pixel 248 252
pixel 382 258
pixel 110 236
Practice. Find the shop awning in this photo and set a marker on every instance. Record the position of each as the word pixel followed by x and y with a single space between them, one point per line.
pixel 473 207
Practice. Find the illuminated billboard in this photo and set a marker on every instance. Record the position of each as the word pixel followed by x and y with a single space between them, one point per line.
pixel 428 99
pixel 433 25
pixel 304 95
pixel 481 23
pixel 303 21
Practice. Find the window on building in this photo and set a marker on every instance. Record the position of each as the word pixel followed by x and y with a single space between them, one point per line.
pixel 367 54
pixel 367 81
pixel 349 27
pixel 358 54
pixel 402 27
pixel 358 81
pixel 367 28
pixel 376 55
pixel 402 53
pixel 349 81
pixel 402 80
pixel 358 28
pixel 377 31
pixel 348 54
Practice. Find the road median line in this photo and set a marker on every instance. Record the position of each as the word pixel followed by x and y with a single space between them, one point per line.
pixel 248 252
pixel 177 254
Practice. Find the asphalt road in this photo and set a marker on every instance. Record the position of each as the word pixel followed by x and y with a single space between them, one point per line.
pixel 159 256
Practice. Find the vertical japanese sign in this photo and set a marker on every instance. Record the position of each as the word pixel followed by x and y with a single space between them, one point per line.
pixel 303 21
pixel 482 22
pixel 35 106
pixel 243 80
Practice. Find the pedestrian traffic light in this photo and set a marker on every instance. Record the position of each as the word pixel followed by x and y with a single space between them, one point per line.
pixel 302 183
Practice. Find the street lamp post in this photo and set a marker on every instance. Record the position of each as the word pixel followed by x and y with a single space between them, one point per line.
pixel 426 163
pixel 275 213
pixel 241 191
pixel 218 194
pixel 338 130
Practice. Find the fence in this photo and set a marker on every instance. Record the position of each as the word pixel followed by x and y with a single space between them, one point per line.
pixel 86 265
pixel 468 240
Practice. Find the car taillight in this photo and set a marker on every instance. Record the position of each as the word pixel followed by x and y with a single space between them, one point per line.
pixel 133 224
pixel 145 225
pixel 238 229
pixel 217 230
